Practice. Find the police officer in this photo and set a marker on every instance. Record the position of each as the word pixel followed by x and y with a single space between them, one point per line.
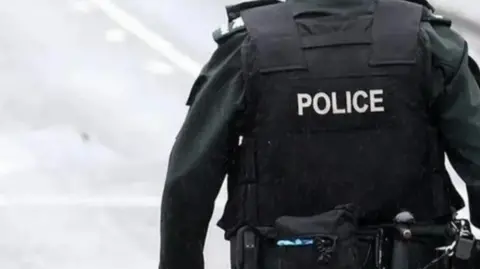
pixel 313 103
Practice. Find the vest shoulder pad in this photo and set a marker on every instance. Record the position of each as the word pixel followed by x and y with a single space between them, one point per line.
pixel 436 19
pixel 235 22
pixel 233 11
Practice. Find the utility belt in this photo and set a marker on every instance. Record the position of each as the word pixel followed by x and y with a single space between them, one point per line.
pixel 333 240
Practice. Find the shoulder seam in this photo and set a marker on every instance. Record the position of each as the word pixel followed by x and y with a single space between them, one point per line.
pixel 459 64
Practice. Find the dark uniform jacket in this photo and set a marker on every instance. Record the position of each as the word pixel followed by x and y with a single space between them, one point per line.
pixel 204 147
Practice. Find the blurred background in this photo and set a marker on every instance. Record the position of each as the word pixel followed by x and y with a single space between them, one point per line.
pixel 92 94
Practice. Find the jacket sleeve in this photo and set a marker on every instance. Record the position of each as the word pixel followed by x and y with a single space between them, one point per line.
pixel 458 108
pixel 198 160
pixel 473 181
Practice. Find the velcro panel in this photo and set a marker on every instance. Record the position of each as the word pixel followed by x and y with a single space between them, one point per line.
pixel 274 32
pixel 336 39
pixel 395 32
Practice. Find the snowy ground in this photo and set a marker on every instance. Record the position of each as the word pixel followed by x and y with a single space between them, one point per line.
pixel 92 94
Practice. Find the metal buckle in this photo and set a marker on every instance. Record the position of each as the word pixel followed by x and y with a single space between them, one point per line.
pixel 325 246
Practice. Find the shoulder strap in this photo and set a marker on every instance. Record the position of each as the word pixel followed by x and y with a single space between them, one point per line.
pixel 275 35
pixel 396 25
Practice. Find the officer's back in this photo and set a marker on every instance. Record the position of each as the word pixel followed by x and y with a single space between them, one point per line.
pixel 337 113
pixel 336 102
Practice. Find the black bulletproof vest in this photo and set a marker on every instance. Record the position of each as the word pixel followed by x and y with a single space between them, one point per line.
pixel 336 114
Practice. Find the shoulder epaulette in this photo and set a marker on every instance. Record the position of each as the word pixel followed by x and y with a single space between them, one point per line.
pixel 228 30
pixel 437 19
pixel 235 22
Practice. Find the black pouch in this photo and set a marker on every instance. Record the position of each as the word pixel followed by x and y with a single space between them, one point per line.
pixel 325 241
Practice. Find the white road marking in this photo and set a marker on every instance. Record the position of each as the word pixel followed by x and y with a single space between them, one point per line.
pixel 83 6
pixel 158 43
pixel 115 35
pixel 151 38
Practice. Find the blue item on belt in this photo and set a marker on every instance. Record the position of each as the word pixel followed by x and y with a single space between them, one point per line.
pixel 295 242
